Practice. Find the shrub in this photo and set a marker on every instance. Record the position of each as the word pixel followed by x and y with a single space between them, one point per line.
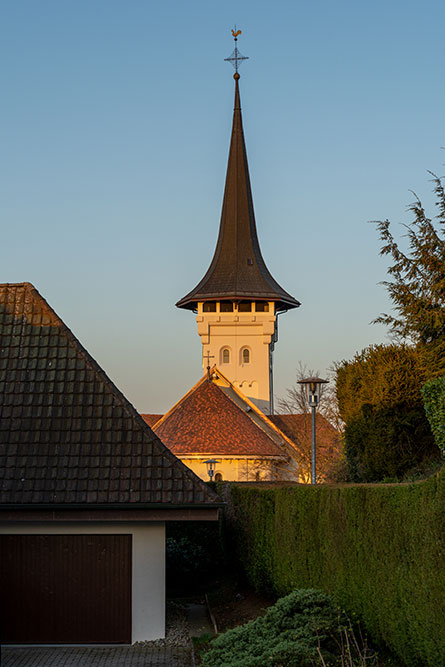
pixel 381 376
pixel 433 393
pixel 387 442
pixel 291 633
pixel 386 431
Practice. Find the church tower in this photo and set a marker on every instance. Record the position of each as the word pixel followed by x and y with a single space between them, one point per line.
pixel 238 300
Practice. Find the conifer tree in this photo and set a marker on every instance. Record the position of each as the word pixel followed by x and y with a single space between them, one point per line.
pixel 417 288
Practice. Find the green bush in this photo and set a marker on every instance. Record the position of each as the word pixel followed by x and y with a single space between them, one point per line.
pixel 433 393
pixel 379 549
pixel 289 634
pixel 387 442
pixel 381 376
pixel 386 430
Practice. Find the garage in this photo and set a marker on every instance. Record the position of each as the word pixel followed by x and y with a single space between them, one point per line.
pixel 86 488
pixel 66 589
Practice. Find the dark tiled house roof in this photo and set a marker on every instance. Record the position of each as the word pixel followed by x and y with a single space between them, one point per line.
pixel 67 434
pixel 206 421
pixel 238 270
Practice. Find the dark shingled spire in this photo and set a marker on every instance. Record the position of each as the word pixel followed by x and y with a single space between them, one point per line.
pixel 238 270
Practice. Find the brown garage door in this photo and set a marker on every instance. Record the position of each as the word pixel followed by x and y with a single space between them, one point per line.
pixel 65 589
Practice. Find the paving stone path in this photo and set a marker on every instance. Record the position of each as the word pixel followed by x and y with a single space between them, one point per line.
pixel 118 656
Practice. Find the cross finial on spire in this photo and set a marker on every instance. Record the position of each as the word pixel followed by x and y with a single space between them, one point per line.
pixel 236 57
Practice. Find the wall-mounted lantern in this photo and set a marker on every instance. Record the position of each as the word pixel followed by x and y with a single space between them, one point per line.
pixel 210 464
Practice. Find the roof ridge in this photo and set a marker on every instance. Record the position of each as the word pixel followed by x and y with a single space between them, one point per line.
pixel 25 283
pixel 87 357
pixel 261 414
pixel 176 405
pixel 207 420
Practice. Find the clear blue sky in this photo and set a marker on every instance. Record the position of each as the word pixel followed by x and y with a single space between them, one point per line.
pixel 115 124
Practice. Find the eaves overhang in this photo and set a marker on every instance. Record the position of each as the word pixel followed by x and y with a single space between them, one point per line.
pixel 190 302
pixel 110 513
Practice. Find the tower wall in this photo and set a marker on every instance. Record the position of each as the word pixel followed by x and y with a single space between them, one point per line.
pixel 241 345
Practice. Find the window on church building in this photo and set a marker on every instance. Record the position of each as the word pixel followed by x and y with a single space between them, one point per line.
pixel 244 307
pixel 226 307
pixel 262 307
pixel 245 356
pixel 209 307
pixel 225 356
pixel 218 477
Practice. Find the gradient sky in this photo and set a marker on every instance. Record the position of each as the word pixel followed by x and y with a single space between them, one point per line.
pixel 115 127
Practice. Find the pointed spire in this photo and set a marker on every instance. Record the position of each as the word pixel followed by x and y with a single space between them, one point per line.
pixel 238 270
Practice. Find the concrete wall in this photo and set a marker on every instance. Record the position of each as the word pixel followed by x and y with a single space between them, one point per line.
pixel 148 588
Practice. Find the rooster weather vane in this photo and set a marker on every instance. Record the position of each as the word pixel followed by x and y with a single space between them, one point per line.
pixel 236 57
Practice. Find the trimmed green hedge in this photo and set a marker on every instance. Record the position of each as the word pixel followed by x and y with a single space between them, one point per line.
pixel 380 550
pixel 433 393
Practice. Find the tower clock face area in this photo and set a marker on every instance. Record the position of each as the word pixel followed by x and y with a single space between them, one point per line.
pixel 238 336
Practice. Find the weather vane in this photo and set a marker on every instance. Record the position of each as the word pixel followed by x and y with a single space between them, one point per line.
pixel 236 57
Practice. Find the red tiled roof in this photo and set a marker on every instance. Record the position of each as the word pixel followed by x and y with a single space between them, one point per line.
pixel 67 434
pixel 206 421
pixel 298 427
pixel 151 419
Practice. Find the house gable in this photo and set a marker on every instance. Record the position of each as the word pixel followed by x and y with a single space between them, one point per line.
pixel 68 436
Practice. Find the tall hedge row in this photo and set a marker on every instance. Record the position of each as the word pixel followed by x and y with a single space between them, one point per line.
pixel 380 550
pixel 433 393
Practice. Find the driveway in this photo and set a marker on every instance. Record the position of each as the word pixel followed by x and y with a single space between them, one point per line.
pixel 79 656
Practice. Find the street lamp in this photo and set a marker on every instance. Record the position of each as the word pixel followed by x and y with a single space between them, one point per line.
pixel 313 390
pixel 211 463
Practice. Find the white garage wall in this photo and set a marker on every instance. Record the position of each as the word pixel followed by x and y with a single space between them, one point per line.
pixel 148 576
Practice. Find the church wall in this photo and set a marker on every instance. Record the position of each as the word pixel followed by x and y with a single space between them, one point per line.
pixel 237 469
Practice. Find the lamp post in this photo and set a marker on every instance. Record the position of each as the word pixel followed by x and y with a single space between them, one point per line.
pixel 210 464
pixel 313 389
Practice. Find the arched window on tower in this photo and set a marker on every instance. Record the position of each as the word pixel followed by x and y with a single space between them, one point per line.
pixel 245 355
pixel 225 355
